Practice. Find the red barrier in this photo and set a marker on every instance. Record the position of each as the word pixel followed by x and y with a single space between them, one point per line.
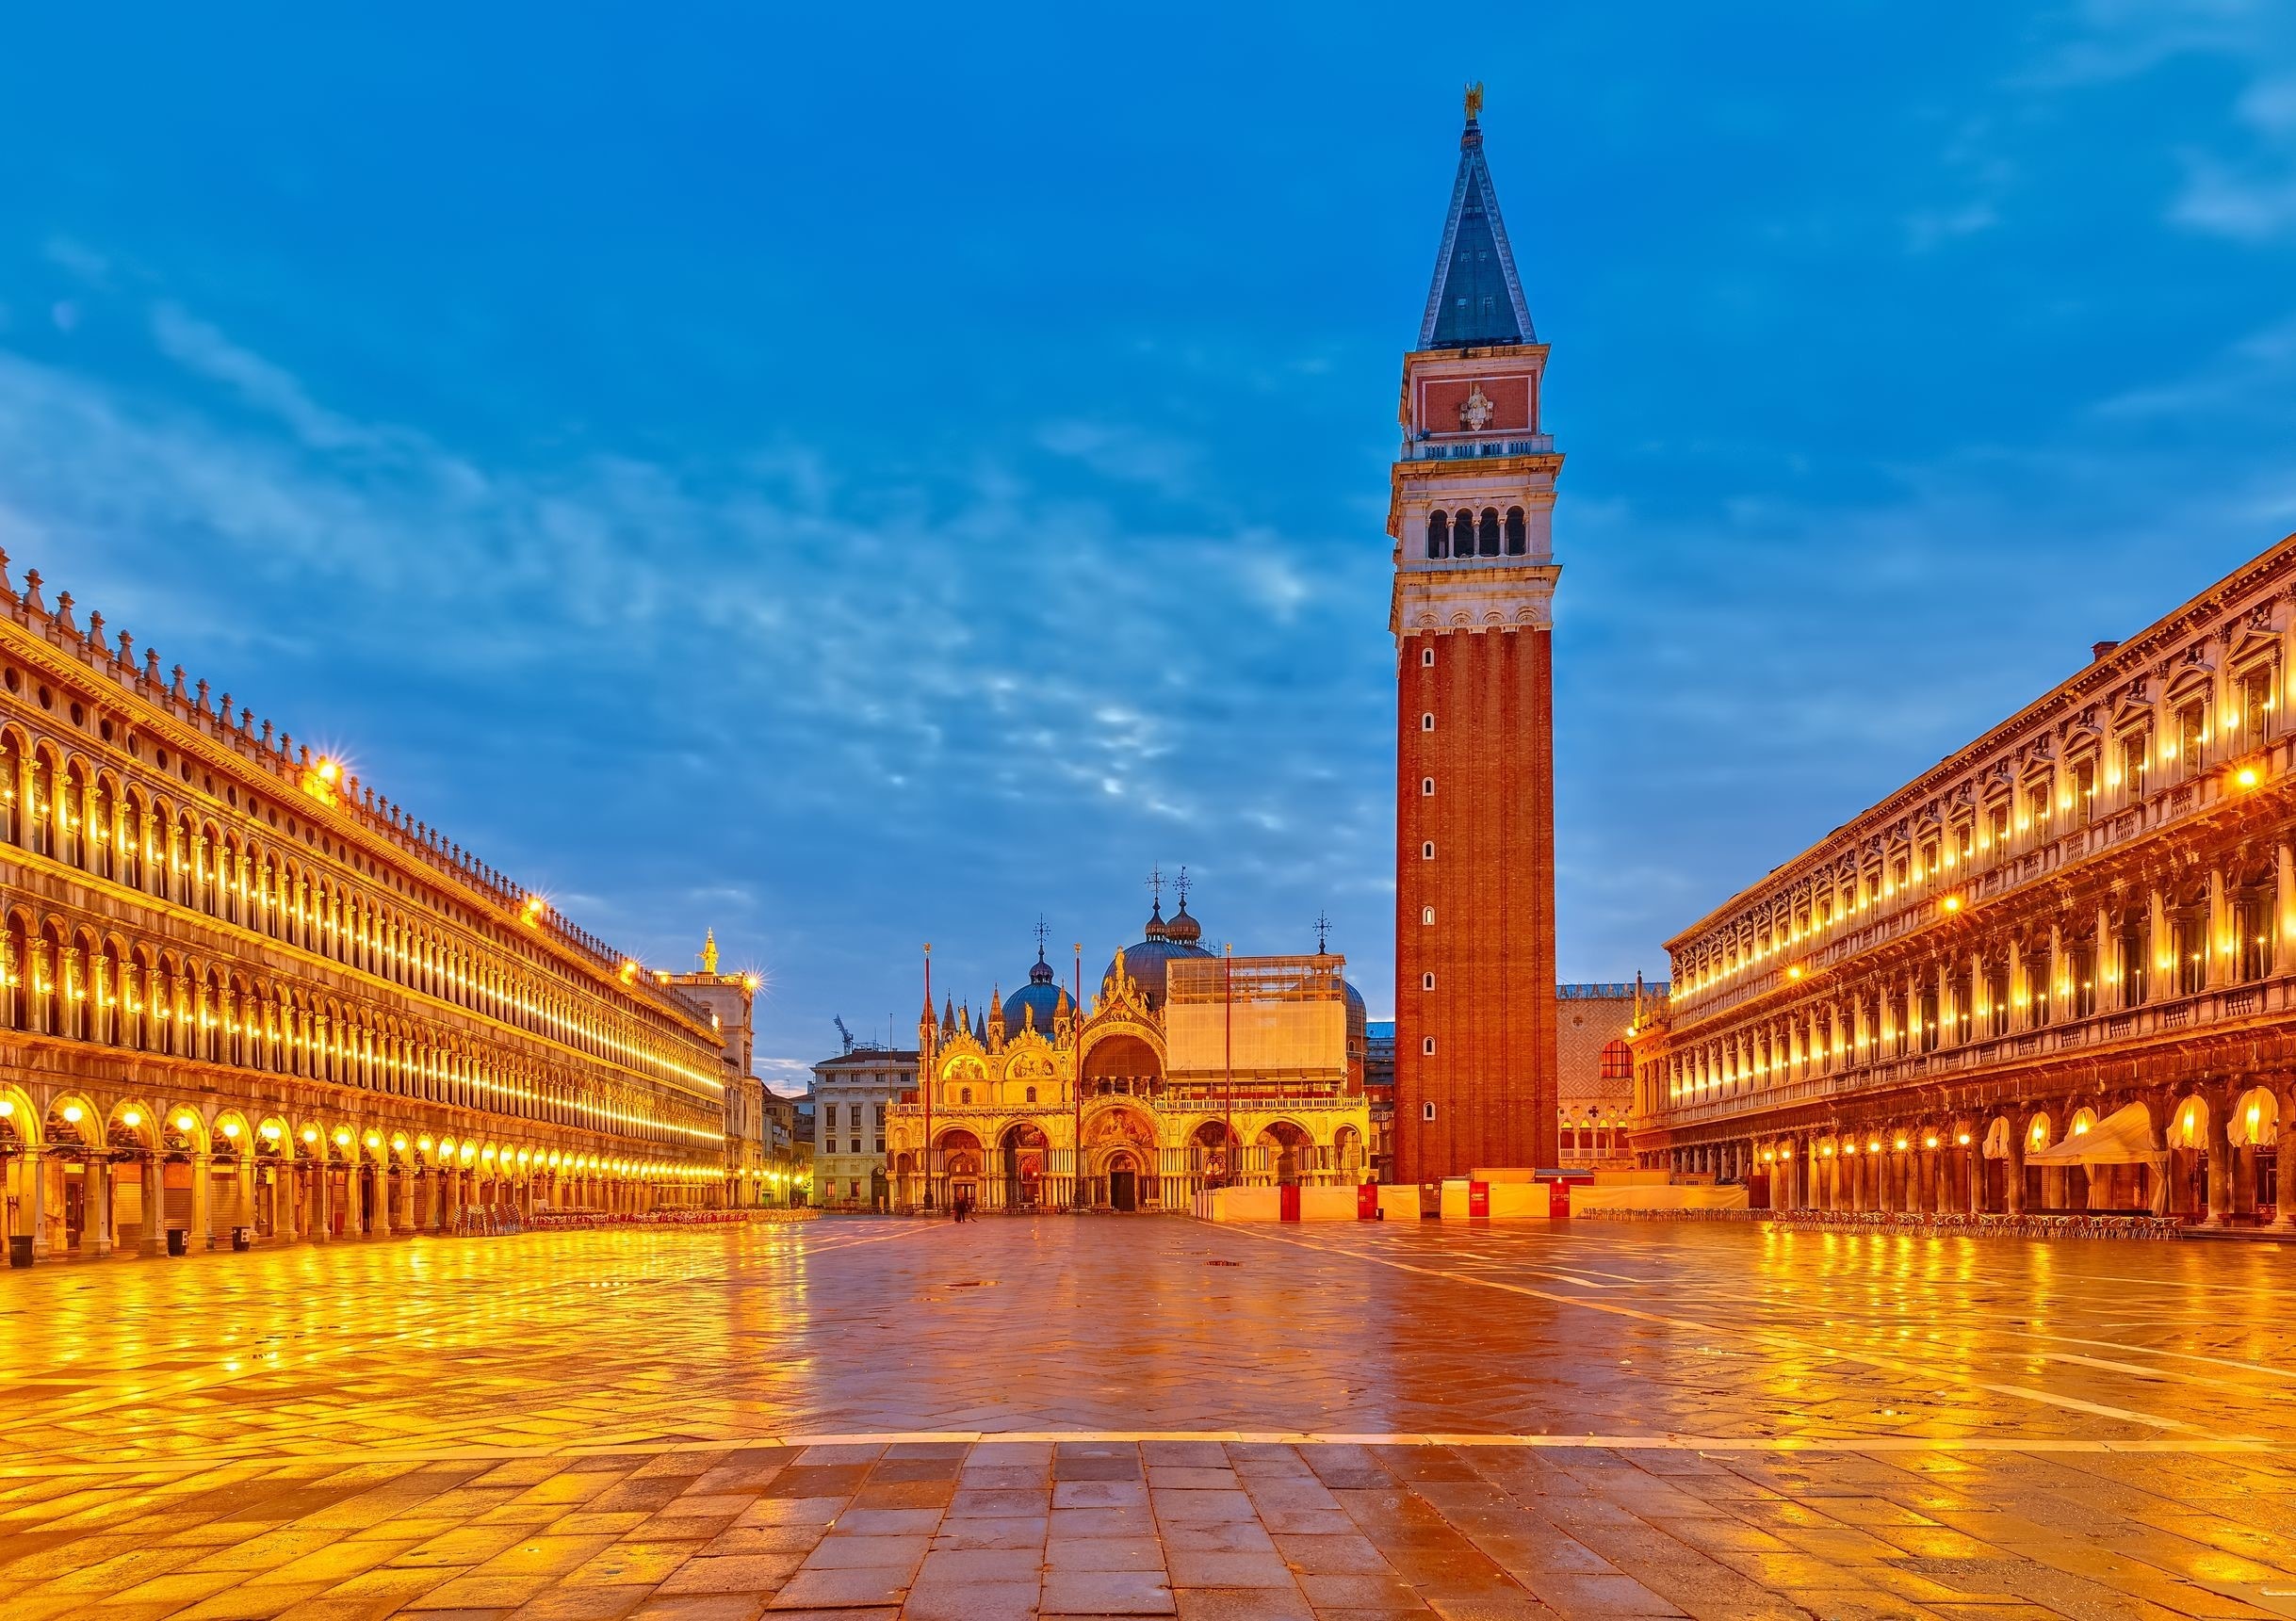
pixel 1367 1202
pixel 1479 1201
pixel 1287 1203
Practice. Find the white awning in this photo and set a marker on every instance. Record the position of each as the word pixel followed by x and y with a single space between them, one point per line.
pixel 2124 1137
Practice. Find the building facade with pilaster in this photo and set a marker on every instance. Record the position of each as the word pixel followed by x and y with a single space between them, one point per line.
pixel 2055 972
pixel 246 997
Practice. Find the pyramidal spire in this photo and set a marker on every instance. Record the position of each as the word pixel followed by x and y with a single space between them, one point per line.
pixel 1476 301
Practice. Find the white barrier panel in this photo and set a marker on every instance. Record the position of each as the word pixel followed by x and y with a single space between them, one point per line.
pixel 1509 1201
pixel 1266 1203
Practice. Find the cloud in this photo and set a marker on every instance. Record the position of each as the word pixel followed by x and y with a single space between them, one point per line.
pixel 2253 200
pixel 2104 41
pixel 266 387
pixel 840 649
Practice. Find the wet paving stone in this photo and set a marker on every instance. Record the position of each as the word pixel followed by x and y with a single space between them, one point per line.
pixel 1351 1422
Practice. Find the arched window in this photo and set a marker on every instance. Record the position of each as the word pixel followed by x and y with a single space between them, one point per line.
pixel 1426 722
pixel 1426 658
pixel 965 1094
pixel 1438 534
pixel 1617 1060
pixel 1486 538
pixel 1427 981
pixel 1427 788
pixel 1426 1046
pixel 1426 851
pixel 1516 537
pixel 1427 916
pixel 1032 1095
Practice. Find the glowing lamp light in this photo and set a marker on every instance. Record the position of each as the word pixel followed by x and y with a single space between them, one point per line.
pixel 489 1154
pixel 271 1131
pixel 1928 1143
pixel 1953 903
pixel 398 1142
pixel 1963 1139
pixel 342 1137
pixel 8 1106
pixel 73 1113
pixel 231 1129
pixel 1901 1145
pixel 422 1142
pixel 1794 972
pixel 373 1139
pixel 310 1134
pixel 184 1122
pixel 131 1118
pixel 2246 776
pixel 1873 1147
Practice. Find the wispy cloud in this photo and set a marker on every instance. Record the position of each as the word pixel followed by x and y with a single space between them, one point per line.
pixel 2252 199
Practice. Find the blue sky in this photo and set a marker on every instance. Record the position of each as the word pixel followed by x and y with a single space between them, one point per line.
pixel 865 476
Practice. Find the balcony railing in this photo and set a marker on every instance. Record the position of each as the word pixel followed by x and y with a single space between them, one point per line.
pixel 2176 1019
pixel 1987 877
pixel 1468 446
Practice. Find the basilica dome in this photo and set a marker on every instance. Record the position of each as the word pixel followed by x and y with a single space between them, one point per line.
pixel 1038 1000
pixel 1160 942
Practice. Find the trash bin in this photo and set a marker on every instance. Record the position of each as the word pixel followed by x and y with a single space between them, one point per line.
pixel 242 1239
pixel 179 1241
pixel 20 1250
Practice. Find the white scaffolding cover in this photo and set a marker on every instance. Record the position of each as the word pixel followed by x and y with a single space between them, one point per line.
pixel 2124 1137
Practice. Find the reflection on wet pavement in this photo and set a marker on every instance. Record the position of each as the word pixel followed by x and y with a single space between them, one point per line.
pixel 1151 1416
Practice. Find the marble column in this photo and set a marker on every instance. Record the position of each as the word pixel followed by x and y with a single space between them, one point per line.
pixel 2284 1213
pixel 98 1185
pixel 202 1205
pixel 2219 1159
pixel 154 1241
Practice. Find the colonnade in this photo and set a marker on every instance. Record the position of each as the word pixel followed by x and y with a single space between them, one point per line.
pixel 2211 1154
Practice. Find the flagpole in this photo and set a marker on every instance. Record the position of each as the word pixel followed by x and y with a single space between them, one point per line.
pixel 1076 1081
pixel 1227 1114
pixel 932 1050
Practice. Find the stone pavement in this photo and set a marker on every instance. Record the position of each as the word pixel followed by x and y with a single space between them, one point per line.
pixel 1103 1416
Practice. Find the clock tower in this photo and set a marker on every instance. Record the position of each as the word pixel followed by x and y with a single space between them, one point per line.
pixel 1470 511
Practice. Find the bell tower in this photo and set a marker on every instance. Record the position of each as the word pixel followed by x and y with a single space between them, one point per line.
pixel 1470 511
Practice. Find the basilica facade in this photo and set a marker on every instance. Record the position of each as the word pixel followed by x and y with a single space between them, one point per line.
pixel 1187 1070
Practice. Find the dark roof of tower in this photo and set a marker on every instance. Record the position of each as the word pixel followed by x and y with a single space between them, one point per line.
pixel 1183 928
pixel 1477 297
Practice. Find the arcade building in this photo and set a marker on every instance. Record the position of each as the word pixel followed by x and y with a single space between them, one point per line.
pixel 1188 1070
pixel 2053 974
pixel 244 1000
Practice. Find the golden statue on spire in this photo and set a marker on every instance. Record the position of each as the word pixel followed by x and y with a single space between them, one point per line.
pixel 1474 101
pixel 709 951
